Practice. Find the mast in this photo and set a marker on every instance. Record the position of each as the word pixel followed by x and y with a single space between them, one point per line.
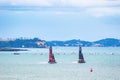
pixel 51 56
pixel 81 58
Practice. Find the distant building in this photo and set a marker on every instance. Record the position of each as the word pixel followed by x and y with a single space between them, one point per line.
pixel 40 43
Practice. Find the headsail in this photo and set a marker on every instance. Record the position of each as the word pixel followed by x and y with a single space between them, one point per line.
pixel 51 56
pixel 81 58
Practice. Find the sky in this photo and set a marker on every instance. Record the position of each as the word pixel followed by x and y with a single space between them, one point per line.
pixel 88 20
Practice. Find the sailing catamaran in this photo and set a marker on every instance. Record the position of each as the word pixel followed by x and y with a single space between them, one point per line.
pixel 51 56
pixel 81 58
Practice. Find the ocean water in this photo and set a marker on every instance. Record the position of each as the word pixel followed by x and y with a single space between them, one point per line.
pixel 33 64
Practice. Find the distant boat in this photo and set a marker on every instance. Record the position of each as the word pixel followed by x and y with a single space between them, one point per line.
pixel 16 53
pixel 81 58
pixel 51 56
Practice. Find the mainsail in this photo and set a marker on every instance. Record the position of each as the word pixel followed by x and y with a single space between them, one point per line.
pixel 51 56
pixel 81 58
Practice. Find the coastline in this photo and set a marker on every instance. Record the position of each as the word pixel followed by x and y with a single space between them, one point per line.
pixel 12 49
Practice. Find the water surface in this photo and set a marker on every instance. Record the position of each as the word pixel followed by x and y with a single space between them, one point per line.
pixel 33 64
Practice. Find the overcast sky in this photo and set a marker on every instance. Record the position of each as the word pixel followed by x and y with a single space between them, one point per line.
pixel 88 20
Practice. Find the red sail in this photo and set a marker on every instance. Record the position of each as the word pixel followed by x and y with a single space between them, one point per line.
pixel 51 56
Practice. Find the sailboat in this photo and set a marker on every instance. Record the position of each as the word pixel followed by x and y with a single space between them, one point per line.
pixel 81 58
pixel 51 56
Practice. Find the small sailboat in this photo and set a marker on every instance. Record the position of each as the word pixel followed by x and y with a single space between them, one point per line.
pixel 51 56
pixel 81 58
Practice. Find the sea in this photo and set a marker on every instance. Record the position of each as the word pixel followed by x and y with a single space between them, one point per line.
pixel 102 63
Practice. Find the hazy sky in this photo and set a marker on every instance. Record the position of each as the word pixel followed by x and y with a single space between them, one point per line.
pixel 60 19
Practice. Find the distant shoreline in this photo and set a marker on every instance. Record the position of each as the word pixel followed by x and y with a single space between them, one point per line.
pixel 38 43
pixel 12 49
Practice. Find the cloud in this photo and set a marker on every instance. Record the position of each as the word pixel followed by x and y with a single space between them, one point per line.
pixel 97 8
pixel 26 2
pixel 75 3
pixel 103 11
pixel 93 3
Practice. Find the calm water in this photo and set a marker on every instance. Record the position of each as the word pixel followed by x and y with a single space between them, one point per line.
pixel 32 64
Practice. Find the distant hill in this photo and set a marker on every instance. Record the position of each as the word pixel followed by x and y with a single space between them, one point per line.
pixel 23 43
pixel 108 42
pixel 73 42
pixel 38 43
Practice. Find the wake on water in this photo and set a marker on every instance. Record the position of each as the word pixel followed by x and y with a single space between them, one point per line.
pixel 43 63
pixel 74 62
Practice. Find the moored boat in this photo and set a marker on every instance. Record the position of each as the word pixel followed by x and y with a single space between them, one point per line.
pixel 16 53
